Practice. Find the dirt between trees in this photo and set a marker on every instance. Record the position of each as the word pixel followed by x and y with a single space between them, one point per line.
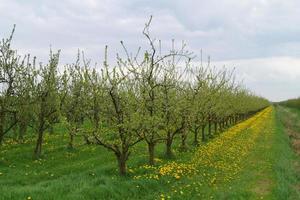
pixel 295 139
pixel 290 122
pixel 262 187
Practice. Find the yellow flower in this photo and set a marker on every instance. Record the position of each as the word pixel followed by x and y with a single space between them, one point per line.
pixel 223 155
pixel 130 170
pixel 177 176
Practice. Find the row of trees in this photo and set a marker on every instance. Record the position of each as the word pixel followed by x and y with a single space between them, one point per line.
pixel 150 97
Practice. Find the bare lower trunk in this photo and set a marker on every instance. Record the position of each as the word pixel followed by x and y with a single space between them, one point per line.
pixel 216 128
pixel 122 166
pixel 15 133
pixel 183 146
pixel 209 128
pixel 22 131
pixel 203 133
pixel 196 141
pixel 122 158
pixel 1 127
pixel 221 126
pixel 70 146
pixel 41 128
pixel 151 147
pixel 38 147
pixel 1 138
pixel 169 142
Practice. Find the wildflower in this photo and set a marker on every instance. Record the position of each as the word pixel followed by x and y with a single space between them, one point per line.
pixel 130 170
pixel 177 176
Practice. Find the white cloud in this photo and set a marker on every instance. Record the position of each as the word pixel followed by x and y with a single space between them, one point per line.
pixel 276 78
pixel 259 37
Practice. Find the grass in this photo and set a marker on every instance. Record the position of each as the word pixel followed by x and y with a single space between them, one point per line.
pixel 270 172
pixel 265 170
pixel 288 165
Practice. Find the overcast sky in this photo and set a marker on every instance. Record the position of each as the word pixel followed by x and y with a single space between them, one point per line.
pixel 260 38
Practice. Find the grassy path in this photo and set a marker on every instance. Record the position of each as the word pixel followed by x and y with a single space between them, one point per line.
pixel 252 160
pixel 222 165
pixel 270 171
pixel 289 120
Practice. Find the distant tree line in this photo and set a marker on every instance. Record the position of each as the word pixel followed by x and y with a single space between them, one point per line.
pixel 293 103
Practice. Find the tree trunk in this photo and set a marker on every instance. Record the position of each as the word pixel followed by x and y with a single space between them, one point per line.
pixel 2 118
pixel 122 166
pixel 183 146
pixel 15 133
pixel 122 158
pixel 209 128
pixel 1 137
pixel 151 153
pixel 216 128
pixel 203 133
pixel 169 141
pixel 70 146
pixel 221 126
pixel 196 141
pixel 39 142
pixel 41 129
pixel 22 130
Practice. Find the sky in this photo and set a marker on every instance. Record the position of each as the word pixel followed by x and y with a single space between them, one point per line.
pixel 260 39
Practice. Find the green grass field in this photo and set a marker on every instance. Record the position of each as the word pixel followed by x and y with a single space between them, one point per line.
pixel 260 164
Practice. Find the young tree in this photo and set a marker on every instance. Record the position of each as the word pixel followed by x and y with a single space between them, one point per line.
pixel 24 94
pixel 10 69
pixel 116 128
pixel 73 99
pixel 173 105
pixel 46 98
pixel 148 74
pixel 200 99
